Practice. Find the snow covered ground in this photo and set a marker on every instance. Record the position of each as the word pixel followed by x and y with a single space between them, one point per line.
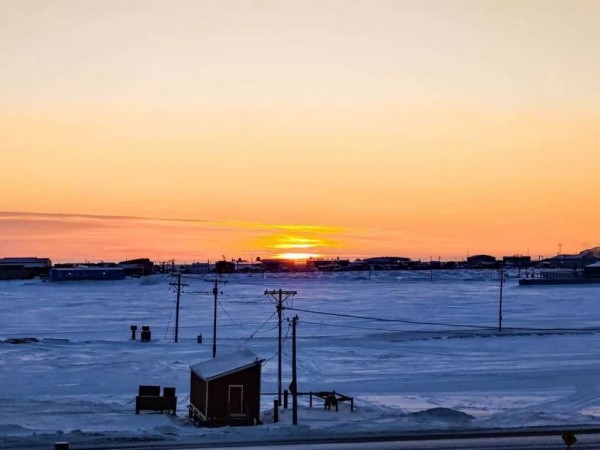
pixel 80 379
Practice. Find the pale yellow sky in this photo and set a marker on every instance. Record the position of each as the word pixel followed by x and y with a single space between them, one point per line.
pixel 411 127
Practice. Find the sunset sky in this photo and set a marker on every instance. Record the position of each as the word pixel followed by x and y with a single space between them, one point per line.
pixel 196 129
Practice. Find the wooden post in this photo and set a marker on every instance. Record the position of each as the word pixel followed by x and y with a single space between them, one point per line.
pixel 500 303
pixel 311 399
pixel 294 376
pixel 275 411
pixel 277 295
pixel 177 307
pixel 285 399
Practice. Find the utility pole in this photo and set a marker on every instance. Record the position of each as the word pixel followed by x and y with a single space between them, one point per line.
pixel 500 305
pixel 278 295
pixel 294 377
pixel 179 286
pixel 431 268
pixel 215 291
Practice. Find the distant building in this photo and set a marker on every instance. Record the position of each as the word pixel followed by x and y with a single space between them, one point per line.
pixel 226 390
pixel 23 268
pixel 27 263
pixel 481 261
pixel 592 270
pixel 197 268
pixel 86 273
pixel 517 261
pixel 243 266
pixel 279 265
pixel 387 262
pixel 224 266
pixel 137 267
pixel 357 265
pixel 564 261
pixel 327 264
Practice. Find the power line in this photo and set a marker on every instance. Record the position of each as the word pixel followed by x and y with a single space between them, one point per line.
pixel 382 319
pixel 231 318
pixel 282 342
pixel 262 325
pixel 412 322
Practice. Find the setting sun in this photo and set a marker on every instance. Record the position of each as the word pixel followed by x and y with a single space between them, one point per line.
pixel 297 256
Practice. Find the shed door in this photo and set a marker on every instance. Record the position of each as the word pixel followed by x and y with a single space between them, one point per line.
pixel 236 399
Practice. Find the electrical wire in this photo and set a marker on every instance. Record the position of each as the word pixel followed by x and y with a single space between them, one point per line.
pixel 412 322
pixel 281 347
pixel 383 319
pixel 262 325
pixel 231 318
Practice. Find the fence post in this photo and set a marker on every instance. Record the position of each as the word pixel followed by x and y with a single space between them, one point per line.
pixel 275 411
pixel 285 398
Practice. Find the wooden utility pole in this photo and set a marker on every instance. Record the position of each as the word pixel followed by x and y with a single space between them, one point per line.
pixel 215 291
pixel 278 295
pixel 294 376
pixel 500 304
pixel 431 268
pixel 179 285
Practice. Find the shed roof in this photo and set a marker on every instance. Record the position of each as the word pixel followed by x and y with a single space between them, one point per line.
pixel 226 364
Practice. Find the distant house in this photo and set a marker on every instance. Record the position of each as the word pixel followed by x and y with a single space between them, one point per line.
pixel 517 261
pixel 564 261
pixel 224 266
pixel 86 273
pixel 357 265
pixel 592 270
pixel 481 261
pixel 279 265
pixel 197 268
pixel 387 262
pixel 27 263
pixel 226 390
pixel 23 268
pixel 327 264
pixel 137 267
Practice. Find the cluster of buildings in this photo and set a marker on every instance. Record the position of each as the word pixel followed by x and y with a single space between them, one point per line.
pixel 31 267
pixel 24 268
pixel 397 263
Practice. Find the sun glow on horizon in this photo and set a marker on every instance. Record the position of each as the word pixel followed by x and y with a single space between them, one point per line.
pixel 297 256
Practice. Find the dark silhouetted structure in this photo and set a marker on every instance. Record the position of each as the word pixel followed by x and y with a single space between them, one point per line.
pixel 87 273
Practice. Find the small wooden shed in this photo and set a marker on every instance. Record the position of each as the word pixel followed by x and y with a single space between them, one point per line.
pixel 226 390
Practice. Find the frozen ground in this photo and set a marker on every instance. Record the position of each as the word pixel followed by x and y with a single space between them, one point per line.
pixel 82 376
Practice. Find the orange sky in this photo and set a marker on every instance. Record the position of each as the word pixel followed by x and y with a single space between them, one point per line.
pixel 416 128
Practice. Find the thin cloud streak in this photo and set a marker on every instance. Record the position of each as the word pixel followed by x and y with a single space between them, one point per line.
pixel 105 237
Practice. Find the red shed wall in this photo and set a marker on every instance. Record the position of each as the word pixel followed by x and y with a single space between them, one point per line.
pixel 218 392
pixel 198 393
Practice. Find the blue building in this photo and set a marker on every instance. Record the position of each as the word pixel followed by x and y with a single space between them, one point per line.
pixel 86 273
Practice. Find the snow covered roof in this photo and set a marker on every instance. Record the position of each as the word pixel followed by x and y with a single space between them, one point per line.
pixel 226 364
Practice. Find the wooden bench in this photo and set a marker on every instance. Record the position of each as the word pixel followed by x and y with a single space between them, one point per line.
pixel 149 399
